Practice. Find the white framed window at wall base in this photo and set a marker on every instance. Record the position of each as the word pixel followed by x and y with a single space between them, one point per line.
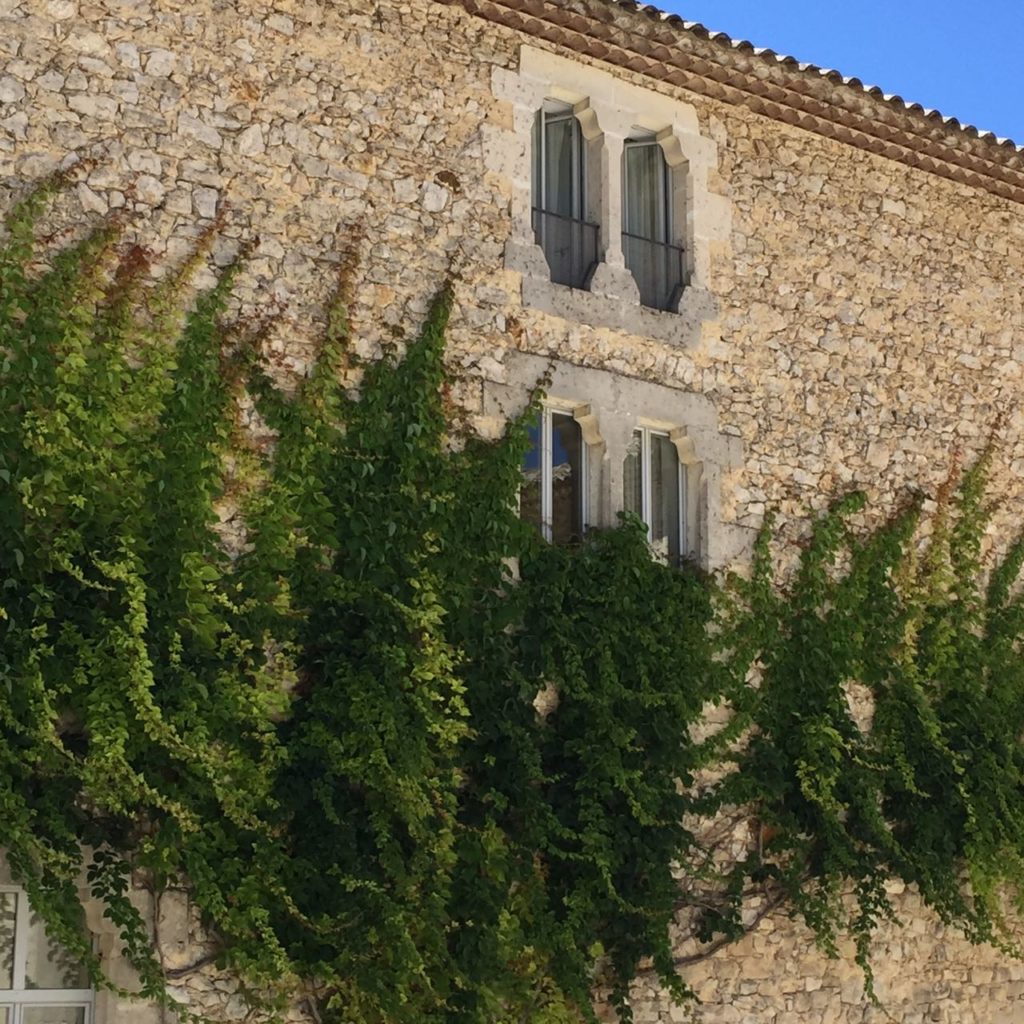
pixel 40 982
pixel 554 489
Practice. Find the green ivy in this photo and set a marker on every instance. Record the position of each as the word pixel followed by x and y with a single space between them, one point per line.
pixel 137 719
pixel 330 734
pixel 928 790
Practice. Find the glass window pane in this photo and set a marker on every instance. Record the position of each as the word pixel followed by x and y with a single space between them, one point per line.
pixel 645 203
pixel 632 477
pixel 4 1015
pixel 48 964
pixel 53 1015
pixel 665 510
pixel 536 171
pixel 8 919
pixel 530 489
pixel 567 455
pixel 560 170
pixel 570 244
pixel 655 263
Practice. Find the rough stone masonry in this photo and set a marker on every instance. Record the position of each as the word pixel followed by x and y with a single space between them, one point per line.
pixel 867 319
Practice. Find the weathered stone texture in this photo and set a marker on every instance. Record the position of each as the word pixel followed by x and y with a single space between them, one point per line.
pixel 871 317
pixel 923 975
pixel 878 311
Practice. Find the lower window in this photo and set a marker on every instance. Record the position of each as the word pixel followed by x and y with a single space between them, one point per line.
pixel 40 982
pixel 553 494
pixel 654 489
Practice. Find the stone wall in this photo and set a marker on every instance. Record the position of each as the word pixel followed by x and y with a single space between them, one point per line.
pixel 776 976
pixel 878 311
pixel 868 325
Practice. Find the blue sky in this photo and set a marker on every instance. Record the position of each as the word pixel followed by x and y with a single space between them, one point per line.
pixel 967 60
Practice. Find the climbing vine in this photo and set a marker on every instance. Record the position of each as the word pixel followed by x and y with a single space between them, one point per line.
pixel 925 786
pixel 323 720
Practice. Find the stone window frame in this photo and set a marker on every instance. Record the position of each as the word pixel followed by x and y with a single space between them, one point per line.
pixel 16 1000
pixel 610 111
pixel 609 406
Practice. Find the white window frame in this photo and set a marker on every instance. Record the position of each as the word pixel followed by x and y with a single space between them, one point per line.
pixel 664 200
pixel 553 112
pixel 547 411
pixel 17 999
pixel 646 494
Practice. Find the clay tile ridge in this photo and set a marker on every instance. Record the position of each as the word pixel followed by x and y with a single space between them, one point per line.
pixel 664 46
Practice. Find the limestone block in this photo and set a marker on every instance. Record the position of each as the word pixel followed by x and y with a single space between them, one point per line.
pixel 205 202
pixel 199 130
pixel 11 90
pixel 159 63
pixel 251 141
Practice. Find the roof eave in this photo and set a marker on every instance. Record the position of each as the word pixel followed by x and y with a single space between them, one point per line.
pixel 685 54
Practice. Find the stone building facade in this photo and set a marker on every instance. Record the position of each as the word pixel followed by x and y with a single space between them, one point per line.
pixel 852 312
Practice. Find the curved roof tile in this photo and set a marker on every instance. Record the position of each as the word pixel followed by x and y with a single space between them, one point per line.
pixel 831 74
pixel 668 48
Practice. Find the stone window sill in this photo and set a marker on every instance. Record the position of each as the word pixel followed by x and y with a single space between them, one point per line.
pixel 612 300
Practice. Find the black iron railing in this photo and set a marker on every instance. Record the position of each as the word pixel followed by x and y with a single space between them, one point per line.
pixel 570 247
pixel 657 269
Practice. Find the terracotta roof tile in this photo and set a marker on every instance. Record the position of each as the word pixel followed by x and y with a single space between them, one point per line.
pixel 670 49
pixel 697 29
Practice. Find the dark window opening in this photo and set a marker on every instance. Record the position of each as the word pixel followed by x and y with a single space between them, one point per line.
pixel 569 242
pixel 552 495
pixel 656 264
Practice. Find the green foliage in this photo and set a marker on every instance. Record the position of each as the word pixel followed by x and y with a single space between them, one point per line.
pixel 330 736
pixel 137 720
pixel 924 785
pixel 623 642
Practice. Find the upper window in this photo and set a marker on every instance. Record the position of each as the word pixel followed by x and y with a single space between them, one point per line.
pixel 654 488
pixel 647 229
pixel 608 184
pixel 553 494
pixel 40 982
pixel 569 243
